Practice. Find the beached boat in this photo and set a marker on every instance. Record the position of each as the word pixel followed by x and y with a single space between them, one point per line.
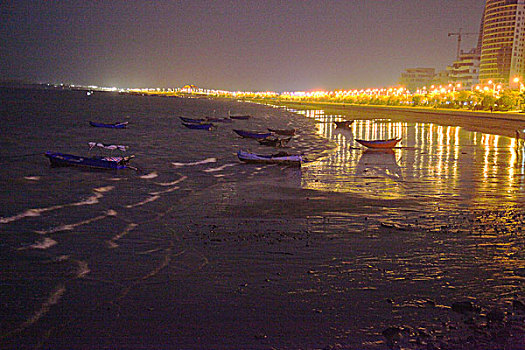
pixel 218 120
pixel 199 126
pixel 239 116
pixel 252 134
pixel 282 158
pixel 344 123
pixel 379 144
pixel 112 126
pixel 274 141
pixel 192 120
pixel 99 162
pixel 284 132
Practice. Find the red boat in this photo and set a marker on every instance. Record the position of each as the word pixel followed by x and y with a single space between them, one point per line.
pixel 379 144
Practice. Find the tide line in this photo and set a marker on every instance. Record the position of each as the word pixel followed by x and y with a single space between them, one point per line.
pixel 37 211
pixel 147 200
pixel 69 227
pixel 205 161
pixel 182 178
pixel 212 170
pixel 111 242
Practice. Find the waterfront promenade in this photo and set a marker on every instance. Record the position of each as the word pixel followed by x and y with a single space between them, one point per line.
pixel 502 123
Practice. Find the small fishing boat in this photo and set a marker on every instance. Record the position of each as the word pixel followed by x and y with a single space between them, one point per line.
pixel 192 120
pixel 274 141
pixel 252 134
pixel 284 132
pixel 219 120
pixel 112 126
pixel 379 144
pixel 282 158
pixel 239 116
pixel 98 162
pixel 199 126
pixel 344 123
pixel 244 117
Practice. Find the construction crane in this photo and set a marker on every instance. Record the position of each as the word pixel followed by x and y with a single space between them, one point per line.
pixel 459 35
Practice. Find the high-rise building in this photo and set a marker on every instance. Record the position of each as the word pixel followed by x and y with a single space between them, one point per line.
pixel 503 42
pixel 465 70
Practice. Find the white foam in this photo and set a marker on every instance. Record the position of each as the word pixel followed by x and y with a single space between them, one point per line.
pixel 37 211
pixel 44 244
pixel 147 200
pixel 103 189
pixel 207 160
pixel 32 178
pixel 111 242
pixel 165 191
pixel 212 170
pixel 149 176
pixel 182 178
pixel 83 269
pixel 70 227
pixel 44 308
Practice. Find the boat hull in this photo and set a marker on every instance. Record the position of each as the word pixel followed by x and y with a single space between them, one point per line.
pixel 284 132
pixel 62 159
pixel 111 126
pixel 379 144
pixel 252 135
pixel 243 117
pixel 192 120
pixel 202 126
pixel 292 160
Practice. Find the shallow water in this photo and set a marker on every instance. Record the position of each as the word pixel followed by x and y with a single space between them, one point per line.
pixel 196 249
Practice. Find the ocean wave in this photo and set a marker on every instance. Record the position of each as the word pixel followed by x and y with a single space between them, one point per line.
pixel 212 170
pixel 205 161
pixel 182 178
pixel 37 211
pixel 70 227
pixel 41 244
pixel 111 242
pixel 149 176
pixel 147 200
pixel 165 191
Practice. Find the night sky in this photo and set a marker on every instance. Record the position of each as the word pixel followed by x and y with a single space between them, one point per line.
pixel 231 45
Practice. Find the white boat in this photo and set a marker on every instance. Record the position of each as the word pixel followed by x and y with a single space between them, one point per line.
pixel 279 158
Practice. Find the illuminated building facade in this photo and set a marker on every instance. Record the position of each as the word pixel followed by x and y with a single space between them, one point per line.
pixel 416 78
pixel 503 42
pixel 465 71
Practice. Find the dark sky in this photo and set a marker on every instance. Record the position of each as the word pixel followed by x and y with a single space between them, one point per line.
pixel 232 45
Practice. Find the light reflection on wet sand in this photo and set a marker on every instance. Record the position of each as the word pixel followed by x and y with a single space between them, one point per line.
pixel 431 162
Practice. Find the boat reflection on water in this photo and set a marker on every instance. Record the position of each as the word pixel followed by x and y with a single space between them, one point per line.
pixel 379 163
pixel 432 161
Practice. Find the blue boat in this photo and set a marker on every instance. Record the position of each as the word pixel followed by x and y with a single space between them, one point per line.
pixel 99 162
pixel 200 126
pixel 112 126
pixel 192 120
pixel 252 134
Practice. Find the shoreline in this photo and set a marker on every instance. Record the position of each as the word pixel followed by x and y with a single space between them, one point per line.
pixel 487 122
